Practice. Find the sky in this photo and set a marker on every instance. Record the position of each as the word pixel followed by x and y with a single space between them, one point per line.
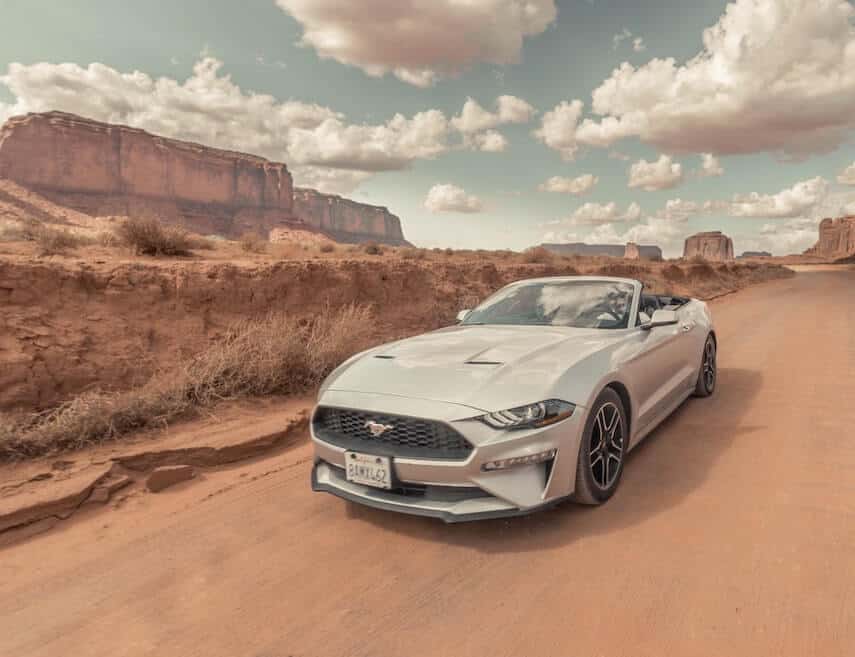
pixel 485 123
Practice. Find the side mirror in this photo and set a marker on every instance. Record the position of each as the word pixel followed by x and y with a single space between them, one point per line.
pixel 462 314
pixel 661 318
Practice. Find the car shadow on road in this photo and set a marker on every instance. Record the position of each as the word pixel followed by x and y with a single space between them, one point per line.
pixel 668 465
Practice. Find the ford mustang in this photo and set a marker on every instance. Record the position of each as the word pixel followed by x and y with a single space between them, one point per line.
pixel 532 398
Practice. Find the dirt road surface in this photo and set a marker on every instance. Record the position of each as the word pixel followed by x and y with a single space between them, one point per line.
pixel 733 533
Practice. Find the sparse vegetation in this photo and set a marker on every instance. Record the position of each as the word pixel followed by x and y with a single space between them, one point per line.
pixel 49 239
pixel 538 255
pixel 372 248
pixel 148 236
pixel 327 247
pixel 253 243
pixel 273 355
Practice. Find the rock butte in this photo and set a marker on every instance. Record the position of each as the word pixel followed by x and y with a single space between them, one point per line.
pixel 713 245
pixel 630 250
pixel 103 169
pixel 836 238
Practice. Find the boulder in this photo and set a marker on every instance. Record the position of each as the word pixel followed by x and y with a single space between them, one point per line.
pixel 713 245
pixel 836 238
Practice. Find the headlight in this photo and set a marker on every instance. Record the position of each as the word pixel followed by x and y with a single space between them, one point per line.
pixel 527 417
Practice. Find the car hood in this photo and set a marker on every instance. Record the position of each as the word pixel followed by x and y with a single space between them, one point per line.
pixel 484 367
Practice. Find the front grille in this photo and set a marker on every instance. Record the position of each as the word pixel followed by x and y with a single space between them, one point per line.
pixel 407 436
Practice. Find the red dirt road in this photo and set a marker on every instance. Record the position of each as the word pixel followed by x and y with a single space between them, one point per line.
pixel 733 533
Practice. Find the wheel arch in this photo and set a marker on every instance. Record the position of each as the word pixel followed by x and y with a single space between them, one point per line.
pixel 623 392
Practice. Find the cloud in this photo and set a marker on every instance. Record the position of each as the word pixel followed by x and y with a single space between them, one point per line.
pixel 677 209
pixel 773 75
pixel 318 143
pixel 797 201
pixel 710 166
pixel 419 42
pixel 847 176
pixel 450 198
pixel 476 123
pixel 576 186
pixel 558 128
pixel 594 214
pixel 652 176
pixel 626 35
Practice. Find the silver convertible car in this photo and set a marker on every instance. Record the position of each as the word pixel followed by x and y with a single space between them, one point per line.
pixel 534 397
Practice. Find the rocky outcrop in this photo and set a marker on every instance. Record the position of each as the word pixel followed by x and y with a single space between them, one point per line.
pixel 713 245
pixel 346 220
pixel 103 169
pixel 630 250
pixel 836 238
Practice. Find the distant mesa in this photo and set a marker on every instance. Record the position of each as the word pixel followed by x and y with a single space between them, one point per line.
pixel 630 250
pixel 836 239
pixel 102 169
pixel 712 245
pixel 755 254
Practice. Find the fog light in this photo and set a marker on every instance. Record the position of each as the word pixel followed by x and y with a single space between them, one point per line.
pixel 531 459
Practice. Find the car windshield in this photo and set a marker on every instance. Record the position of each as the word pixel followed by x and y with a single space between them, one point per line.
pixel 579 304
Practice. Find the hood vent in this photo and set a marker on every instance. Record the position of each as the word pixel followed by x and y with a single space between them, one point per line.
pixel 483 362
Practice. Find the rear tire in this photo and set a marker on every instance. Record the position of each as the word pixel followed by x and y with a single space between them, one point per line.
pixel 708 374
pixel 599 467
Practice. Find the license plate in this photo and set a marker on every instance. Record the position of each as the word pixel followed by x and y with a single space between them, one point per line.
pixel 368 469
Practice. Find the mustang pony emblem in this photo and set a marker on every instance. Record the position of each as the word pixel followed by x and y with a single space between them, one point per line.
pixel 377 428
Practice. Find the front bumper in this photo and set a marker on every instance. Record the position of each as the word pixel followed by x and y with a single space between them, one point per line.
pixel 457 490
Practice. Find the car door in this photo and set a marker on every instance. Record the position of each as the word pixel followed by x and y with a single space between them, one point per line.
pixel 657 370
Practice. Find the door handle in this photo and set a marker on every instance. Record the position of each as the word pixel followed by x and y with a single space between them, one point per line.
pixel 688 327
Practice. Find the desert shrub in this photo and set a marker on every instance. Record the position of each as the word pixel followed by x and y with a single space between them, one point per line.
pixel 697 258
pixel 372 248
pixel 673 273
pixel 414 254
pixel 148 236
pixel 276 354
pixel 538 255
pixel 449 252
pixel 54 241
pixel 253 243
pixel 327 247
pixel 622 270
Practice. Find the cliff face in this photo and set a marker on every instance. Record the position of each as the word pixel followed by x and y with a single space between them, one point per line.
pixel 104 169
pixel 713 245
pixel 631 250
pixel 346 220
pixel 111 170
pixel 836 238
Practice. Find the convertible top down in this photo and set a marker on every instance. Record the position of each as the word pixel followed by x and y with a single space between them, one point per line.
pixel 534 397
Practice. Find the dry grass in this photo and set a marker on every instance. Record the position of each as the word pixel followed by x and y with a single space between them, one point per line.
pixel 273 355
pixel 48 239
pixel 149 236
pixel 538 255
pixel 372 248
pixel 253 243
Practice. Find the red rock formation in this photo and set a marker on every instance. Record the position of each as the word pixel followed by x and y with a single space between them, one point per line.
pixel 104 169
pixel 836 238
pixel 631 251
pixel 712 245
pixel 346 220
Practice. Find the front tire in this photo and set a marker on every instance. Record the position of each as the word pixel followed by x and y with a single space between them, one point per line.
pixel 708 374
pixel 602 451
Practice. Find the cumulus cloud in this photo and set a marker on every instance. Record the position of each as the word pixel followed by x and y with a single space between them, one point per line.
pixel 773 75
pixel 710 166
pixel 558 128
pixel 576 186
pixel 847 176
pixel 652 176
pixel 477 124
pixel 419 42
pixel 451 198
pixel 797 201
pixel 594 214
pixel 320 146
pixel 677 209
